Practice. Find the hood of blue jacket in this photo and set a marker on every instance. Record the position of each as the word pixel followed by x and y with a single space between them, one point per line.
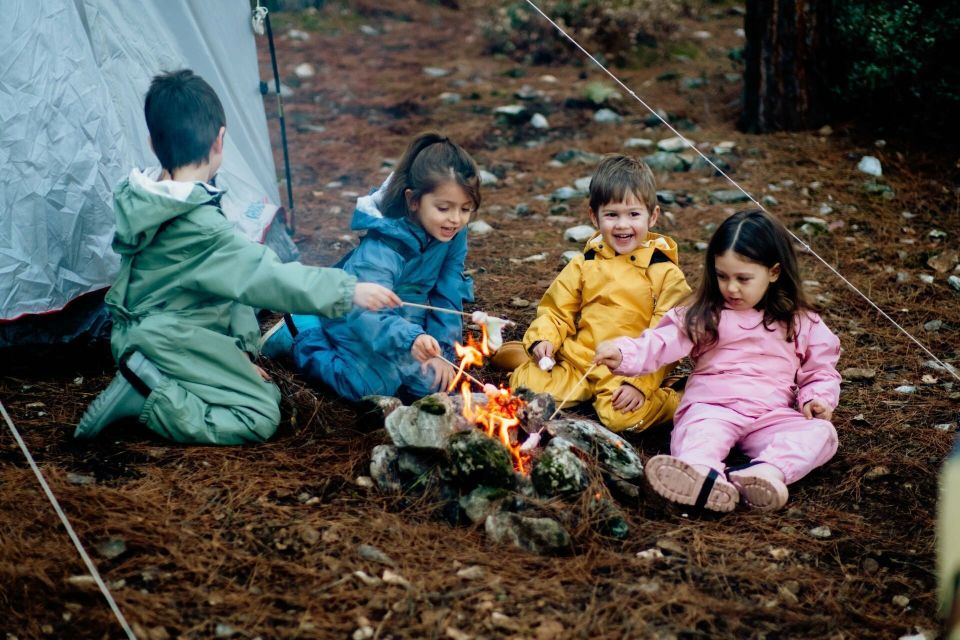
pixel 368 216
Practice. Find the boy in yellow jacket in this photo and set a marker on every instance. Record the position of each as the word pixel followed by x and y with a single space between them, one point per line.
pixel 623 283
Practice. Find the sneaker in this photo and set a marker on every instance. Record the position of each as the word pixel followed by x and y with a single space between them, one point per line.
pixel 124 398
pixel 683 483
pixel 760 486
pixel 277 342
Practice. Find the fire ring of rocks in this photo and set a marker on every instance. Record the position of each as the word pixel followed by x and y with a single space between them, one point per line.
pixel 496 458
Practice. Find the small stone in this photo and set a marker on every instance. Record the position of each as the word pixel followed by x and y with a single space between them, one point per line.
pixel 780 553
pixel 539 121
pixel 674 144
pixel 537 257
pixel 582 184
pixel 364 632
pixel 367 30
pixel 650 554
pixel 436 72
pixel 448 97
pixel 786 595
pixel 825 130
pixel 549 630
pixel 901 601
pixel 700 246
pixel 579 234
pixel 310 535
pixel 954 282
pixel 297 34
pixel 664 161
pixel 224 630
pixel 365 482
pixel 821 532
pixel 371 553
pixel 479 228
pixel 945 426
pixel 906 388
pixel 304 70
pixel 112 548
pixel 858 374
pixel 607 116
pixel 82 582
pixel 728 196
pixel 870 166
pixel 473 572
pixel 769 201
pixel 512 113
pixel 877 472
pixel 638 143
pixel 870 566
pixel 367 579
pixel 926 278
pixel 671 545
pixel 390 577
pixel 522 209
pixel 455 634
pixel 80 478
pixel 725 147
pixel 487 178
pixel 502 621
pixel 567 256
pixel 944 261
pixel 566 193
pixel 519 302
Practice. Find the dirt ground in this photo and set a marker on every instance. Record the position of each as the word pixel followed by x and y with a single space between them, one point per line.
pixel 263 541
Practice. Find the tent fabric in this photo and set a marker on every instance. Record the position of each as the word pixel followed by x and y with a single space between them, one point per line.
pixel 72 79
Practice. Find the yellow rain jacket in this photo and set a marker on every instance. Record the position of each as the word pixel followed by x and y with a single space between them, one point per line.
pixel 598 296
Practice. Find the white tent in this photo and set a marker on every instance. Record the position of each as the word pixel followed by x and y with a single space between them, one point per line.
pixel 73 74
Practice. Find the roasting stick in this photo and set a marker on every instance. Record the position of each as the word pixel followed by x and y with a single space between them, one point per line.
pixel 432 308
pixel 570 393
pixel 457 367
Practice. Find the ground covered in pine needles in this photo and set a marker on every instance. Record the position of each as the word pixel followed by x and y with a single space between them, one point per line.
pixel 265 541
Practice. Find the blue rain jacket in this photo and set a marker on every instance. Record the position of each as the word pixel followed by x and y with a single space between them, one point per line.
pixel 368 352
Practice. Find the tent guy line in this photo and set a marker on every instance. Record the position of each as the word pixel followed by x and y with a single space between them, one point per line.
pixel 946 367
pixel 66 525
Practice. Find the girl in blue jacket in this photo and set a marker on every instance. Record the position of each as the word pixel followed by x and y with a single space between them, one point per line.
pixel 415 245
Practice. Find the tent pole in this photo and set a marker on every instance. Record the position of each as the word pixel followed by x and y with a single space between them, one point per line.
pixel 291 216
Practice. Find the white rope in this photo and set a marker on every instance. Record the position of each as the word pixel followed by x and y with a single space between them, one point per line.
pixel 258 19
pixel 946 367
pixel 66 524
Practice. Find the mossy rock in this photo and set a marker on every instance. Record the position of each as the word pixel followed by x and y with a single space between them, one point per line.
pixel 558 472
pixel 477 460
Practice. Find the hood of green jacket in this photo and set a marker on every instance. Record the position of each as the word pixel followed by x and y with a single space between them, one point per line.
pixel 143 204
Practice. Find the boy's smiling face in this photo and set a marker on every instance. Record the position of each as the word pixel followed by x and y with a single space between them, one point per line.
pixel 624 225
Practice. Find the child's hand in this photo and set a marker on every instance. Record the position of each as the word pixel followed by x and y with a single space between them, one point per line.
pixel 260 372
pixel 374 297
pixel 424 348
pixel 627 398
pixel 541 350
pixel 443 372
pixel 817 409
pixel 608 353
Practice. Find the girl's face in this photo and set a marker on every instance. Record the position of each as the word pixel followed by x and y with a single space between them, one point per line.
pixel 442 212
pixel 743 282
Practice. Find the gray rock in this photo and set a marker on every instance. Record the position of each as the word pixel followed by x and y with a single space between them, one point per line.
pixel 820 223
pixel 479 228
pixel 700 246
pixel 658 119
pixel 638 143
pixel 693 83
pixel 569 255
pixel 614 453
pixel 906 389
pixel 427 424
pixel 476 460
pixel 769 201
pixel 384 468
pixel 371 553
pixel 436 72
pixel 608 519
pixel 926 278
pixel 538 535
pixel 607 116
pixel 699 164
pixel 304 70
pixel 666 197
pixel 80 478
pixel 558 471
pixel 519 303
pixel 870 166
pixel 522 209
pixel 673 145
pixel 379 407
pixel 526 92
pixel 415 464
pixel 566 193
pixel 297 34
pixel 487 178
pixel 539 121
pixel 576 155
pixel 725 147
pixel 663 161
pixel 954 282
pixel 448 97
pixel 367 30
pixel 582 184
pixel 821 532
pixel 482 502
pixel 112 548
pixel 511 114
pixel 858 374
pixel 729 196
pixel 876 188
pixel 559 209
pixel 580 233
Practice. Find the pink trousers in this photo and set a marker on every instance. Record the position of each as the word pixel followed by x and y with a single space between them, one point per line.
pixel 705 434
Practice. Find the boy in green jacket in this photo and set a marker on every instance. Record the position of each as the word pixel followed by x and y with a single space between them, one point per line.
pixel 184 330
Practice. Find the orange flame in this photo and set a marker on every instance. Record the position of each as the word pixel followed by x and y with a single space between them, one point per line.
pixel 498 417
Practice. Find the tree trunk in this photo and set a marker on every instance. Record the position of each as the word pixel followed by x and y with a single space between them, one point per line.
pixel 787 56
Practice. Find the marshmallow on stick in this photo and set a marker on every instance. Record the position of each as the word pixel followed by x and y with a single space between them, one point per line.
pixel 494 327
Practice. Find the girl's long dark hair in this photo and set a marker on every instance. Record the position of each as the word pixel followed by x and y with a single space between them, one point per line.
pixel 759 238
pixel 431 160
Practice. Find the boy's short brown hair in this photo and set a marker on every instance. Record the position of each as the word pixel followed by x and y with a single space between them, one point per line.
pixel 616 176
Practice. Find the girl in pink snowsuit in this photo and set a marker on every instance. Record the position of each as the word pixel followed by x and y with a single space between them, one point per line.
pixel 764 379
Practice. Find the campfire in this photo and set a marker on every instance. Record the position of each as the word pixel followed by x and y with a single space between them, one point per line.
pixel 493 455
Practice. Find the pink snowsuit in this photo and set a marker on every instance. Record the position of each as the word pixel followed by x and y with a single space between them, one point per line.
pixel 746 388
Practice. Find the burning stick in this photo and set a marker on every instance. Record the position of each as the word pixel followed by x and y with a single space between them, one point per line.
pixel 572 389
